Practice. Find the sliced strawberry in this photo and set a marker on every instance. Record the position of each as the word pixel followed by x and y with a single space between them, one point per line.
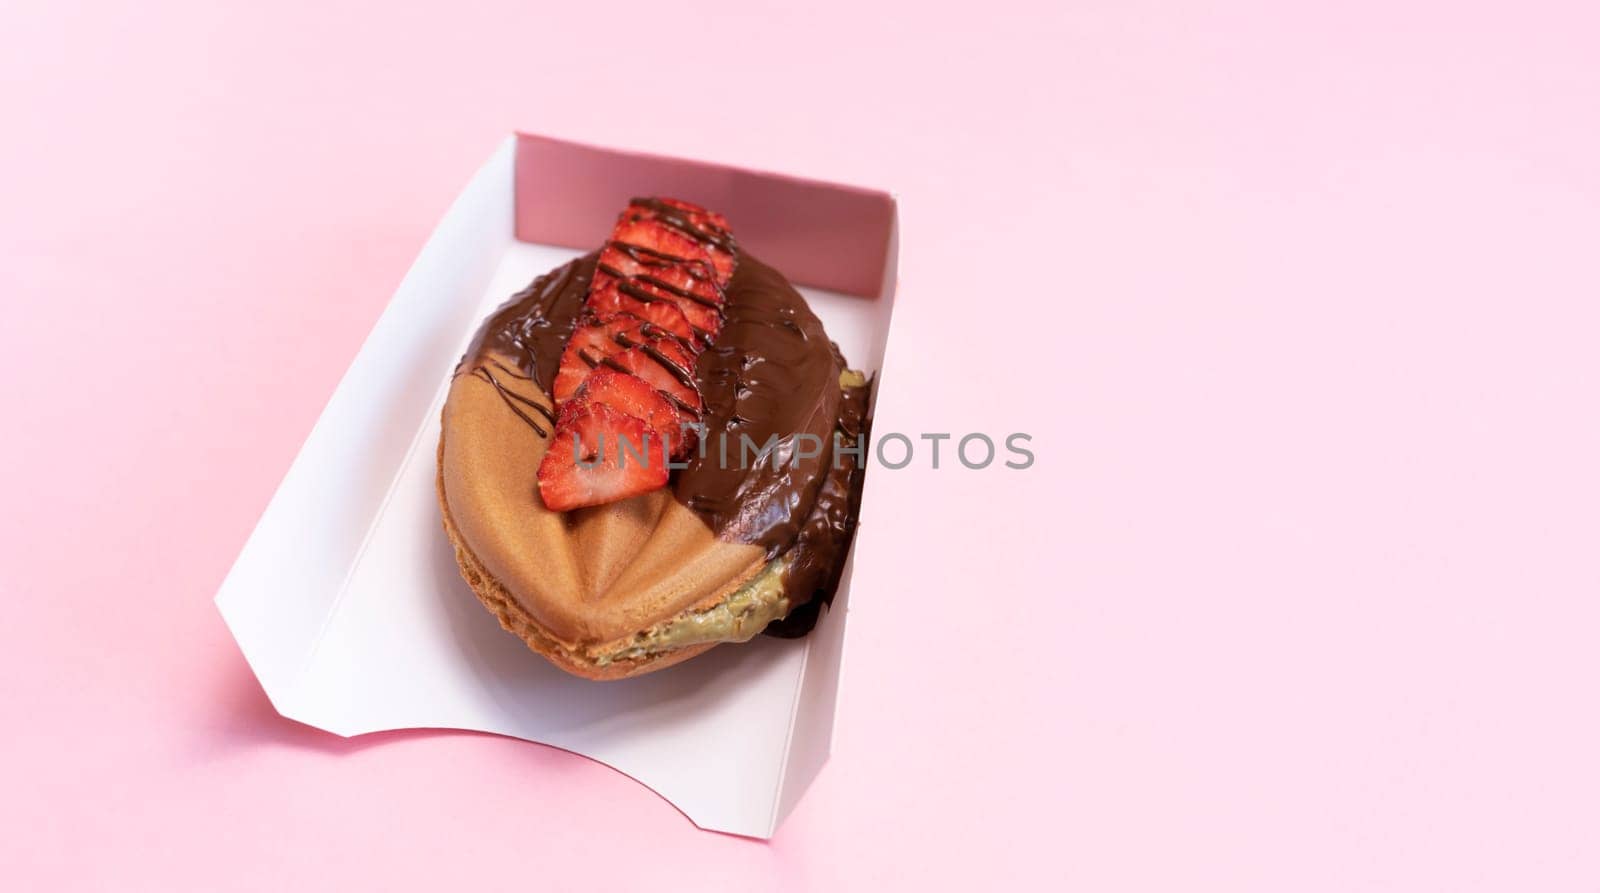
pixel 627 376
pixel 598 455
pixel 679 311
pixel 599 342
pixel 705 227
pixel 697 216
pixel 664 270
pixel 691 279
pixel 661 239
pixel 636 397
pixel 667 365
pixel 591 343
pixel 610 295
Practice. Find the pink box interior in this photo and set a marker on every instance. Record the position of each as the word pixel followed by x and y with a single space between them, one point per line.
pixel 819 234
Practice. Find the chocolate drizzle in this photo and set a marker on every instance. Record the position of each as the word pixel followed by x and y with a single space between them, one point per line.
pixel 625 284
pixel 681 373
pixel 512 398
pixel 710 234
pixel 533 327
pixel 772 376
pixel 650 258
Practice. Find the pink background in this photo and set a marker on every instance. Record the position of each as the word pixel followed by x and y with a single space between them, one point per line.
pixel 1300 308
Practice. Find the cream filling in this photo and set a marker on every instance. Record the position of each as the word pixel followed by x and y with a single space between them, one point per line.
pixel 737 618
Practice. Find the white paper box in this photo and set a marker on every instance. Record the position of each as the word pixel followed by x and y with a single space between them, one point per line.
pixel 346 599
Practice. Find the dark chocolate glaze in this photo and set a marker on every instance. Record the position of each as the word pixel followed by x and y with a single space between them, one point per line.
pixel 817 556
pixel 772 373
pixel 533 327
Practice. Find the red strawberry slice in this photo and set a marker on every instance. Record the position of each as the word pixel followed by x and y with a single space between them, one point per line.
pixel 596 342
pixel 708 228
pixel 690 280
pixel 660 239
pixel 592 341
pixel 698 216
pixel 666 270
pixel 599 455
pixel 610 295
pixel 686 315
pixel 638 398
pixel 627 376
pixel 667 366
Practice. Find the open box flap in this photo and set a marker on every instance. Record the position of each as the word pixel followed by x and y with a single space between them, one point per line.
pixel 348 603
pixel 281 591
